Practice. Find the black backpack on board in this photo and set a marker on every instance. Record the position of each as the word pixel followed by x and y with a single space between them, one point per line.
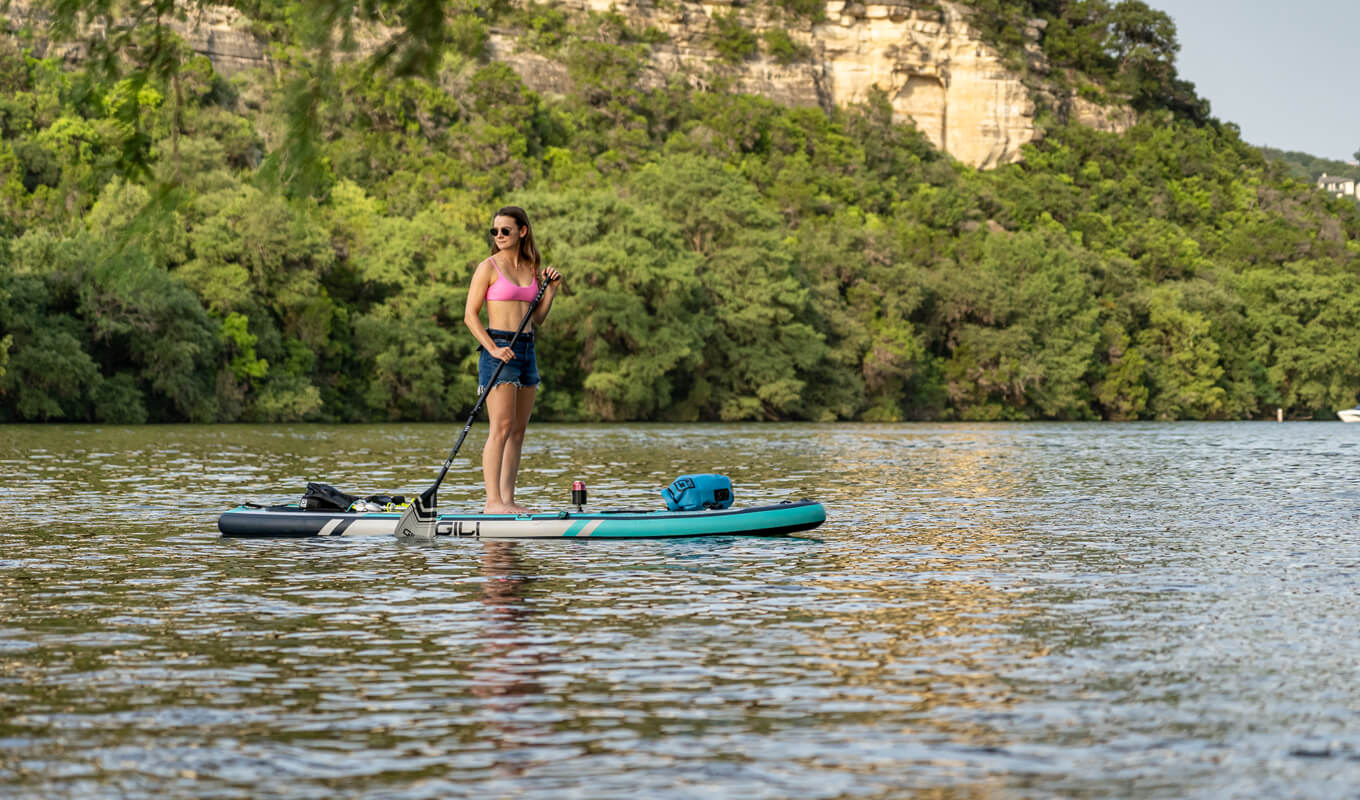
pixel 320 497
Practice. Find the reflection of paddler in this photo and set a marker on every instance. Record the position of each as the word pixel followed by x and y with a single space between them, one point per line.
pixel 500 587
pixel 508 665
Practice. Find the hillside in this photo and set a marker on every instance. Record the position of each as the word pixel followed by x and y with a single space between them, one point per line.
pixel 1308 167
pixel 975 82
pixel 183 242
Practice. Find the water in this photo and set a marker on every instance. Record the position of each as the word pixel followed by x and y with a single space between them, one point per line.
pixel 1072 611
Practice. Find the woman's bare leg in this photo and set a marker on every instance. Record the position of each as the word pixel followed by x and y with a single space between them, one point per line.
pixel 514 444
pixel 500 412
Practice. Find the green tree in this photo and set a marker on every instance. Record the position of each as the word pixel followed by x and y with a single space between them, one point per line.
pixel 420 357
pixel 151 329
pixel 630 329
pixel 254 253
pixel 759 353
pixel 1182 358
pixel 733 40
pixel 127 342
pixel 1304 333
pixel 1027 329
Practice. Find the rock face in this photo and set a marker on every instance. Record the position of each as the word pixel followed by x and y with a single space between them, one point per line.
pixel 937 74
pixel 931 63
pixel 933 66
pixel 222 34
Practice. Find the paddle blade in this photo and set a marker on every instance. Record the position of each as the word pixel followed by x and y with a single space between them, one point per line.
pixel 417 521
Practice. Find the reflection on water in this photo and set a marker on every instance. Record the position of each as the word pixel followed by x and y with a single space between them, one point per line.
pixel 508 660
pixel 991 611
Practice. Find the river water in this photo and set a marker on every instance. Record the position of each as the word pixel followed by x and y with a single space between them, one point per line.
pixel 990 611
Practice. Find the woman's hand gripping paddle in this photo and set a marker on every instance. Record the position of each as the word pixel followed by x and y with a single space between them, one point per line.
pixel 417 522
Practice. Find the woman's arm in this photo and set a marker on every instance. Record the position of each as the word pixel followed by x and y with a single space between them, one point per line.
pixel 554 279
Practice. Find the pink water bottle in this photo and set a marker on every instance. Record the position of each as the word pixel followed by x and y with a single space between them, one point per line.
pixel 578 494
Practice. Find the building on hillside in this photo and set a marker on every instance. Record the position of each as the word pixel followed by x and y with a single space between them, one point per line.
pixel 1337 187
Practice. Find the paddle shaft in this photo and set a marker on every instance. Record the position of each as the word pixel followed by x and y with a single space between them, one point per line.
pixel 533 305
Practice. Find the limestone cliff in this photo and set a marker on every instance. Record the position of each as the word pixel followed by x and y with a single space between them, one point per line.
pixel 933 65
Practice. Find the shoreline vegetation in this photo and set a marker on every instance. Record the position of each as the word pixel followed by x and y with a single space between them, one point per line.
pixel 176 246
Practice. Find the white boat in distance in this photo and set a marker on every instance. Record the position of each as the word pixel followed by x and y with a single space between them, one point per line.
pixel 1349 414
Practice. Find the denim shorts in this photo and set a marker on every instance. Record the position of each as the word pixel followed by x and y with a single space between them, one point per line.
pixel 521 371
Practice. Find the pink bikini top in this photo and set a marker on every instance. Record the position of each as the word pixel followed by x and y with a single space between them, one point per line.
pixel 505 289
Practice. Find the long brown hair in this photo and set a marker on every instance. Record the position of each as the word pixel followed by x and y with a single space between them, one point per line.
pixel 528 251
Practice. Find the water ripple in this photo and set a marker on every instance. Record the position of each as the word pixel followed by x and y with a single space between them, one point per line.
pixel 1152 611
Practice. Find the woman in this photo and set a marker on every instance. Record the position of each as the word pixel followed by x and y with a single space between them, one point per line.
pixel 506 283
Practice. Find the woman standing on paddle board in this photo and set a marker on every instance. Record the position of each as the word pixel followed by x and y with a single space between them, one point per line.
pixel 506 283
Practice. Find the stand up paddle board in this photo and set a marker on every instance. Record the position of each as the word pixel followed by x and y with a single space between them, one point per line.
pixel 293 521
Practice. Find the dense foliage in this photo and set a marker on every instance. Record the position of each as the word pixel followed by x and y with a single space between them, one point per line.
pixel 726 257
pixel 1124 50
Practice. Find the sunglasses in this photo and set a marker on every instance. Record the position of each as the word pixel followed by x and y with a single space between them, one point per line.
pixel 501 231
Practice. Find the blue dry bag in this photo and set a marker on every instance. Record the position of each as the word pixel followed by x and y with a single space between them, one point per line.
pixel 693 492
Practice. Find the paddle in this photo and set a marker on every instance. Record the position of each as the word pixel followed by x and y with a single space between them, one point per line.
pixel 418 520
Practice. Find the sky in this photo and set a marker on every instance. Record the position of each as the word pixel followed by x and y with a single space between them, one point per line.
pixel 1283 70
